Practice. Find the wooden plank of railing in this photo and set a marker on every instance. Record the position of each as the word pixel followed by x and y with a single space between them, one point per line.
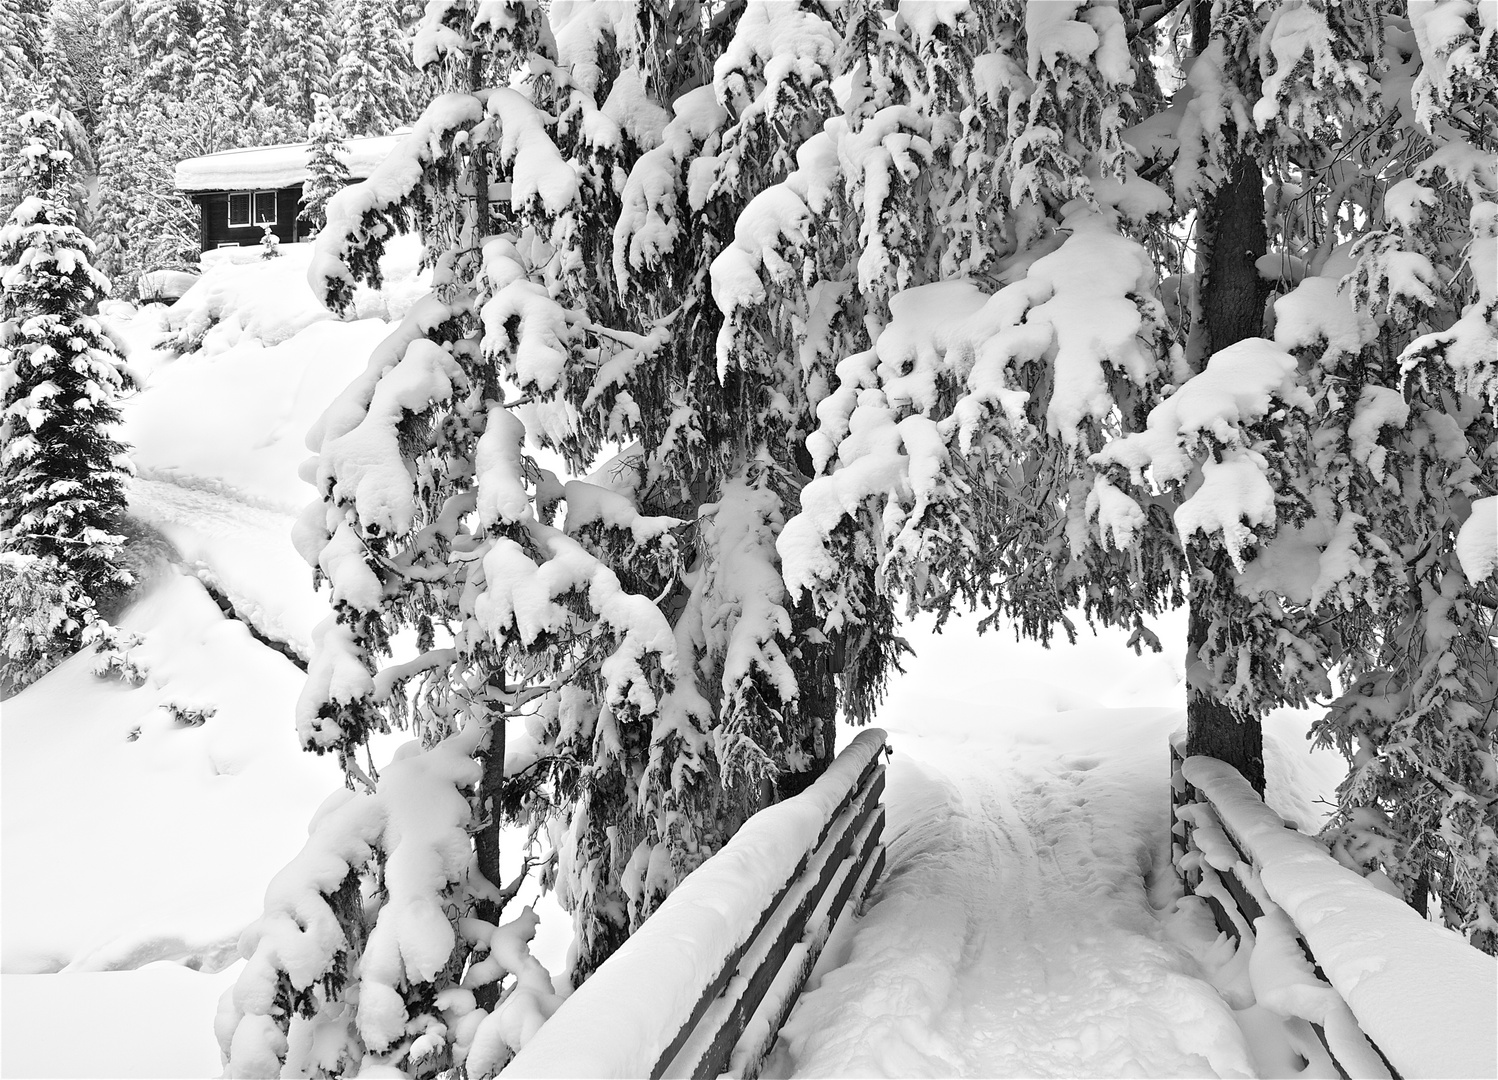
pixel 762 1029
pixel 1183 794
pixel 714 990
pixel 720 964
pixel 723 1033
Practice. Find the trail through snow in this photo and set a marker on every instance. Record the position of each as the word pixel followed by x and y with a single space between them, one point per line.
pixel 244 547
pixel 1014 932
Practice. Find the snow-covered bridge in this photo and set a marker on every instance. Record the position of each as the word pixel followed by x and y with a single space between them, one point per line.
pixel 1031 922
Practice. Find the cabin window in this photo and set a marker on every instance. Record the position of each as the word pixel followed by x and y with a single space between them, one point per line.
pixel 248 208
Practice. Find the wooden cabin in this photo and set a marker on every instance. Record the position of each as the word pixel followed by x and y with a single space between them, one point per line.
pixel 238 192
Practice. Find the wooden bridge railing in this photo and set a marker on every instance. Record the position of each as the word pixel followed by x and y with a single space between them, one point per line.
pixel 703 987
pixel 1387 993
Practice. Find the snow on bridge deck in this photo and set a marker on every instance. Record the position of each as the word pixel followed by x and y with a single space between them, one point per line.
pixel 1014 932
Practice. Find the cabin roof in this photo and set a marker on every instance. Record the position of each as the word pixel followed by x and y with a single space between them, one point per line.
pixel 263 167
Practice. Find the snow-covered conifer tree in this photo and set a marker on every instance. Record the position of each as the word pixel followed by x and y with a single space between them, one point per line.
pixel 1370 454
pixel 74 32
pixel 164 223
pixel 327 174
pixel 215 57
pixel 62 472
pixel 22 33
pixel 370 952
pixel 305 46
pixel 647 626
pixel 954 453
pixel 114 214
pixel 374 81
pixel 164 33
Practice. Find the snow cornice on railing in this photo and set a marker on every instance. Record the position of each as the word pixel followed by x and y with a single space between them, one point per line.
pixel 1426 998
pixel 665 1003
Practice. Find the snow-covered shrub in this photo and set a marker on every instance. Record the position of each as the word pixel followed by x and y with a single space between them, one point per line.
pixel 188 714
pixel 113 646
pixel 46 616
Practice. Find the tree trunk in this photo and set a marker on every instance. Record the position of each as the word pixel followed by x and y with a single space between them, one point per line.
pixel 486 840
pixel 1233 238
pixel 815 714
pixel 1213 727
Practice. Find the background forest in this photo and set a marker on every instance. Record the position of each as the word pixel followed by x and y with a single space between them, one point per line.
pixel 144 84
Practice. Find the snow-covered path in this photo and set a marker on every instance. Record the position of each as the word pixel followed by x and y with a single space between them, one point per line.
pixel 244 547
pixel 1013 933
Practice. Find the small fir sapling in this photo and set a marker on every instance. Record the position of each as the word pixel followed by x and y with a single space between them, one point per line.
pixel 327 173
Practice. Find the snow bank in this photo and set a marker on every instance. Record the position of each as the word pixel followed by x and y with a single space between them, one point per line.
pixel 1426 997
pixel 165 284
pixel 621 1020
pixel 175 829
pixel 278 166
pixel 242 297
pixel 156 1021
pixel 265 300
pixel 235 419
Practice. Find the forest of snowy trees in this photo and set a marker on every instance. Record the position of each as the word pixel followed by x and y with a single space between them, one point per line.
pixel 143 84
pixel 822 313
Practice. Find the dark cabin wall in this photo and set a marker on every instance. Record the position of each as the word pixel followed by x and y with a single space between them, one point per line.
pixel 213 219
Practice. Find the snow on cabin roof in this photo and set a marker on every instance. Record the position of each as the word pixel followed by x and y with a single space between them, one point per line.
pixel 280 166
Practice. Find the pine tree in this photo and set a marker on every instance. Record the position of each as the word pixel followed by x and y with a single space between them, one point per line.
pixel 62 473
pixel 165 31
pixel 647 630
pixel 326 172
pixel 310 53
pixel 114 215
pixel 214 51
pixel 290 50
pixel 22 33
pixel 374 80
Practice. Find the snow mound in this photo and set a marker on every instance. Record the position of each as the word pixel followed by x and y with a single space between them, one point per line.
pixel 217 441
pixel 243 297
pixel 1477 543
pixel 266 300
pixel 153 1022
pixel 194 819
pixel 236 418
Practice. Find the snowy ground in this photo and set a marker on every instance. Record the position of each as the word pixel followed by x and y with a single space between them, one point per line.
pixel 1014 932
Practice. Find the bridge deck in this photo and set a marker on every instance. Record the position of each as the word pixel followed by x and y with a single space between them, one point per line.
pixel 1014 932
